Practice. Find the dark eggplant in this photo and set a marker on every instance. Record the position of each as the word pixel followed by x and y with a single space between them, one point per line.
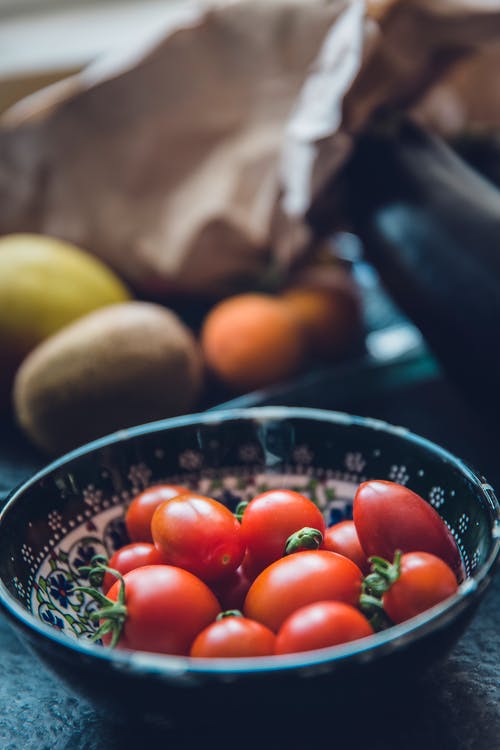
pixel 481 150
pixel 431 226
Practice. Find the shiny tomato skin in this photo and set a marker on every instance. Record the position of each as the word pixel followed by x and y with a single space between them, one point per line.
pixel 425 580
pixel 299 579
pixel 389 517
pixel 320 625
pixel 232 589
pixel 129 557
pixel 198 534
pixel 234 637
pixel 140 511
pixel 343 539
pixel 271 517
pixel 251 567
pixel 166 609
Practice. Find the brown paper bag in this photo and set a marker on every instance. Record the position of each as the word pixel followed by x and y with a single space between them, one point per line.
pixel 189 166
pixel 166 165
pixel 385 60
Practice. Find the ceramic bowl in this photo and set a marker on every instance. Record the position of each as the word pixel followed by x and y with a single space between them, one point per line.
pixel 53 524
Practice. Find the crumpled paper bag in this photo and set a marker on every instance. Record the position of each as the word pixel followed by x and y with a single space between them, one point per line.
pixel 382 57
pixel 189 166
pixel 467 100
pixel 165 163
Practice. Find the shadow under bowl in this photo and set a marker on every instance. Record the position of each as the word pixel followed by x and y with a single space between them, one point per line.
pixel 53 524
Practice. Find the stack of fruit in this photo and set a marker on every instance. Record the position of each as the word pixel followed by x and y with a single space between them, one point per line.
pixel 81 358
pixel 269 579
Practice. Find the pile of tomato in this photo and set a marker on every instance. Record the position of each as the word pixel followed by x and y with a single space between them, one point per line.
pixel 201 581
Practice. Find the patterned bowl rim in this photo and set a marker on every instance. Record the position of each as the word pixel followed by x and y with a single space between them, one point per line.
pixel 363 650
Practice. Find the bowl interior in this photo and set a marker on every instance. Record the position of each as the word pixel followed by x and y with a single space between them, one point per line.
pixel 75 509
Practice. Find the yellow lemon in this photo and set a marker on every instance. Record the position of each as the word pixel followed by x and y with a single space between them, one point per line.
pixel 45 284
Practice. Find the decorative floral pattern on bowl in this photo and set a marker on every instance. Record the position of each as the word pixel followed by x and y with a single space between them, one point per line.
pixel 55 597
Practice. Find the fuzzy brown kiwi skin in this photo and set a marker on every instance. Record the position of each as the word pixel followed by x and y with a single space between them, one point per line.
pixel 122 365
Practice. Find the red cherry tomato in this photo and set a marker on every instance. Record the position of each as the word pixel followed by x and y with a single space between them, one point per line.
pixel 270 518
pixel 389 517
pixel 232 590
pixel 424 580
pixel 198 534
pixel 320 625
pixel 300 579
pixel 166 608
pixel 140 511
pixel 127 558
pixel 234 637
pixel 343 539
pixel 250 567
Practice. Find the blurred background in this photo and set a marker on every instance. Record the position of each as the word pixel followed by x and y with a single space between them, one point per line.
pixel 42 41
pixel 305 195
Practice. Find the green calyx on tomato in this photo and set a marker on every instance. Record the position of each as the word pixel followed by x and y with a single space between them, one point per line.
pixel 306 538
pixel 96 570
pixel 229 613
pixel 375 585
pixel 240 509
pixel 112 614
pixel 383 574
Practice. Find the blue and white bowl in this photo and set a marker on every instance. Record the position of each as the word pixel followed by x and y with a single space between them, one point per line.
pixel 56 522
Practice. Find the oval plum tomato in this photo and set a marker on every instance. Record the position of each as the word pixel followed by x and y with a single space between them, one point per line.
pixel 300 579
pixel 165 609
pixel 140 511
pixel 389 517
pixel 424 580
pixel 198 534
pixel 343 539
pixel 272 517
pixel 232 589
pixel 127 558
pixel 234 636
pixel 320 625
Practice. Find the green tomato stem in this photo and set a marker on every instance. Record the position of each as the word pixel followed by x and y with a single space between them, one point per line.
pixel 382 576
pixel 374 612
pixel 373 588
pixel 229 613
pixel 112 614
pixel 306 538
pixel 368 603
pixel 240 509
